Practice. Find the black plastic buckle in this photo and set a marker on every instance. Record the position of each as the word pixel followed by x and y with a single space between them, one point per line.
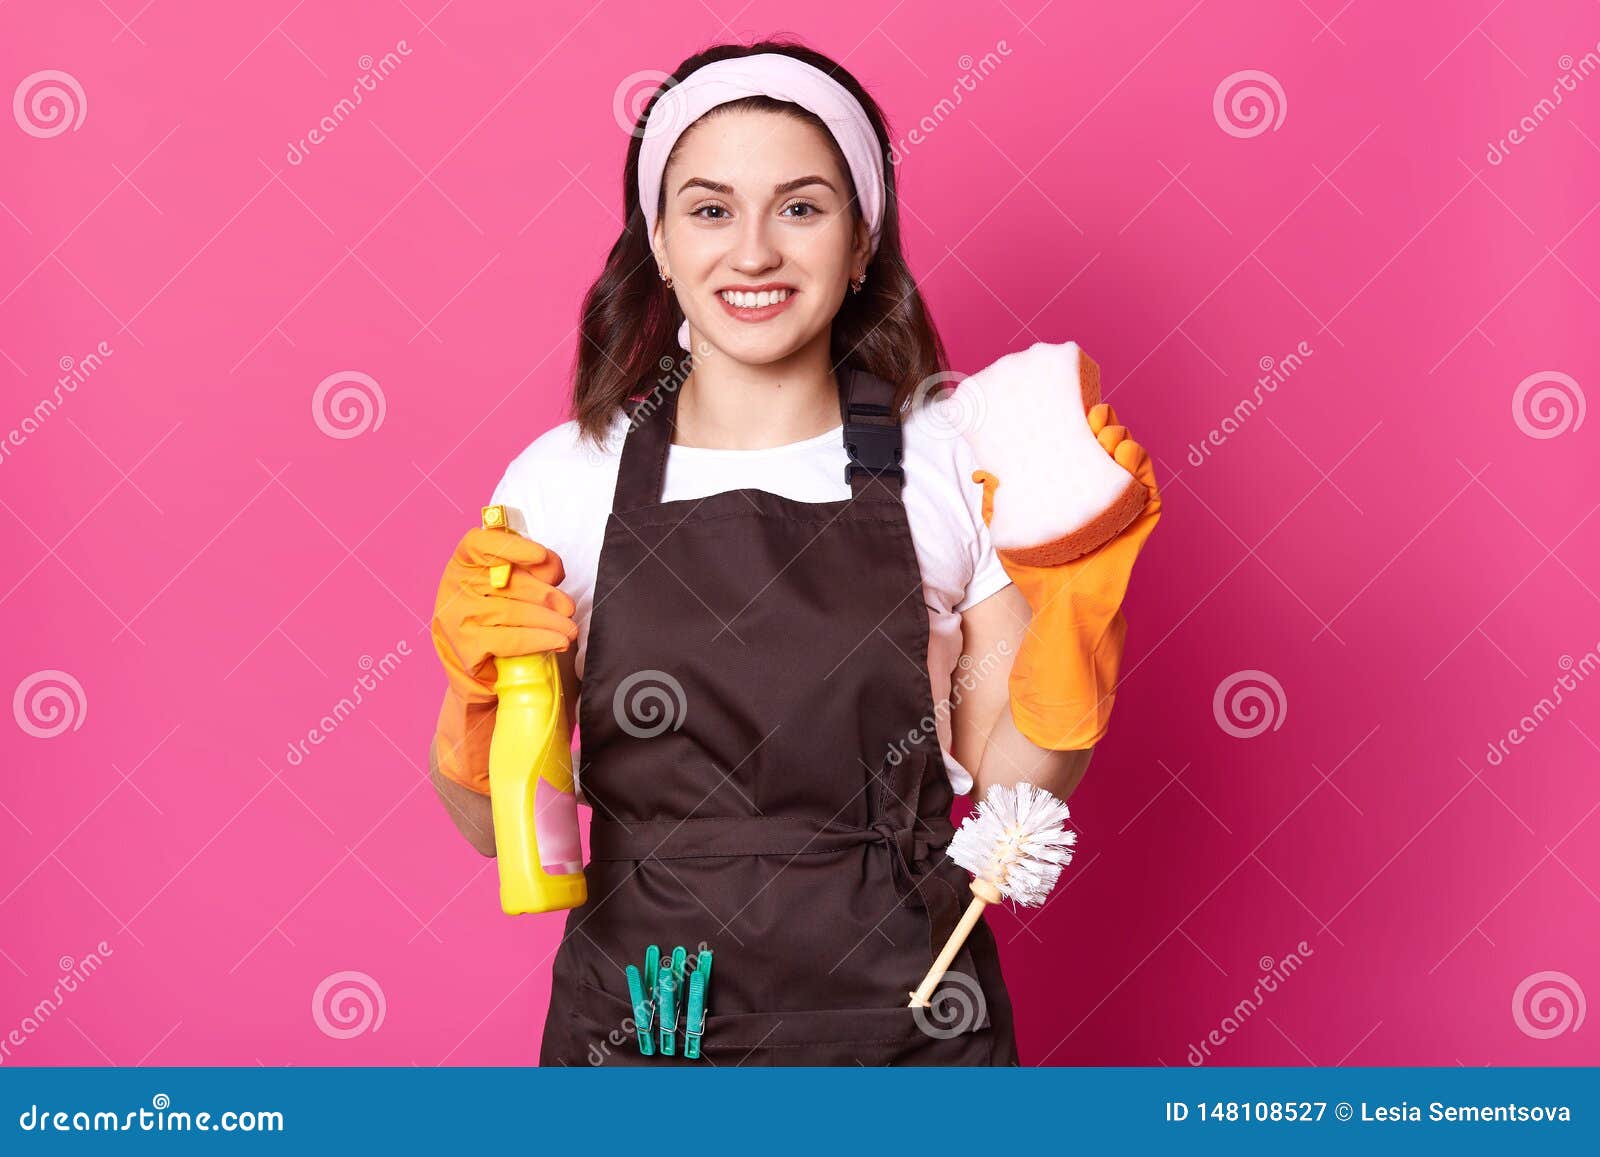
pixel 874 449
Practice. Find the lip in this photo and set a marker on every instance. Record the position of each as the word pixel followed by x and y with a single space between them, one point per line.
pixel 757 313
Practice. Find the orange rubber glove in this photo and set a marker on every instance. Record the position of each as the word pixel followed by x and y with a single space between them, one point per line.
pixel 474 622
pixel 1063 680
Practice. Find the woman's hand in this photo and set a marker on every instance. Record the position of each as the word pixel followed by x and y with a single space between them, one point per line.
pixel 475 622
pixel 1122 550
pixel 1132 457
pixel 1064 677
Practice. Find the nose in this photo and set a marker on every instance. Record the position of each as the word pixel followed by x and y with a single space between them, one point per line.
pixel 753 249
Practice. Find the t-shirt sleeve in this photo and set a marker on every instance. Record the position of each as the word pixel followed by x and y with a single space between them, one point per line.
pixel 988 575
pixel 521 492
pixel 518 490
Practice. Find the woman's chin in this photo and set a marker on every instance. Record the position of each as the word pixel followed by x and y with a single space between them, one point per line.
pixel 743 344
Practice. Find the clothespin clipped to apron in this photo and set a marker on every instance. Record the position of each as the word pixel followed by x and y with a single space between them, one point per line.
pixel 658 997
pixel 695 1026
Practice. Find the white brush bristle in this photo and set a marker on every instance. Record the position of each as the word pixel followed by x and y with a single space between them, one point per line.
pixel 1017 840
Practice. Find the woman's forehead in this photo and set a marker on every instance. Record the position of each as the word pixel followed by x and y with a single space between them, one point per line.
pixel 753 151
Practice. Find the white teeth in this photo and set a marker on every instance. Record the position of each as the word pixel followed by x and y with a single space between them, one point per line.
pixel 740 300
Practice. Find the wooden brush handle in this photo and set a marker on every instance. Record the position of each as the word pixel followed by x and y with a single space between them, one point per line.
pixel 983 894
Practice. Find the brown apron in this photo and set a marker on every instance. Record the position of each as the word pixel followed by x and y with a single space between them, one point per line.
pixel 760 752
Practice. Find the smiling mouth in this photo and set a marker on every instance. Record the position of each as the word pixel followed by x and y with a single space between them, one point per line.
pixel 746 306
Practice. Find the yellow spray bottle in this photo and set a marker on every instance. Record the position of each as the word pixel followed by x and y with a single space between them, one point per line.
pixel 531 789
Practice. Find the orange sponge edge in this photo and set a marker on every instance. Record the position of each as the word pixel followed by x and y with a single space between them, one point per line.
pixel 1092 536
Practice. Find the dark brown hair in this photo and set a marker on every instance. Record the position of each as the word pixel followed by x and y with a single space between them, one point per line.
pixel 628 338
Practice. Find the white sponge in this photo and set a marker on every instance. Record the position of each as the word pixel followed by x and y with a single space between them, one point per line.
pixel 1059 494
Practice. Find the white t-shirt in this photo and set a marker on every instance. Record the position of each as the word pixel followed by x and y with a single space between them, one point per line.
pixel 559 492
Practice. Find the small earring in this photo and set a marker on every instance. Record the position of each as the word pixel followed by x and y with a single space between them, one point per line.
pixel 665 279
pixel 855 286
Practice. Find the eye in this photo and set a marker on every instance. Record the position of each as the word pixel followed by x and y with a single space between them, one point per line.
pixel 704 208
pixel 803 205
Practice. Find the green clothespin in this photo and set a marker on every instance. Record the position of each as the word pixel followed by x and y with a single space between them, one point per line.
pixel 667 1001
pixel 652 965
pixel 643 1012
pixel 671 986
pixel 680 959
pixel 699 986
pixel 695 1024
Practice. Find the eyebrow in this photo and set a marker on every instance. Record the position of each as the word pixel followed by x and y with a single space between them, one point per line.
pixel 785 187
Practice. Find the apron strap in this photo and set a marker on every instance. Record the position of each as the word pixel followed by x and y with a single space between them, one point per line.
pixel 872 441
pixel 872 436
pixel 643 466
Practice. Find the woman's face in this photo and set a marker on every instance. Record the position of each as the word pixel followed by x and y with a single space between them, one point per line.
pixel 757 202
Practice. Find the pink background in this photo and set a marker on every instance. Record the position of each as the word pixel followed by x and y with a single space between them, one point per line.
pixel 1405 551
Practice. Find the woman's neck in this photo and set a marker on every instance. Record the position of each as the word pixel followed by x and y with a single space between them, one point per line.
pixel 726 405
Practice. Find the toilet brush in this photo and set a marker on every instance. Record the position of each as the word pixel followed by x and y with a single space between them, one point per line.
pixel 1015 844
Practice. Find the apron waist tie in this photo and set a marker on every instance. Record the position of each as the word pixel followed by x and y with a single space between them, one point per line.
pixel 933 888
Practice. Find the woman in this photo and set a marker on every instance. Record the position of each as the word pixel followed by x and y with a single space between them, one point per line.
pixel 756 676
